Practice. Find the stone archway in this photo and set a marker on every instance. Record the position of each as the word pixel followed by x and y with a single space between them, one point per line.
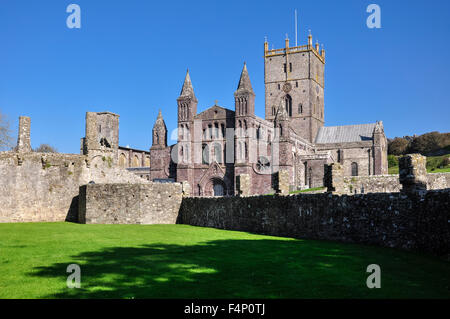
pixel 215 187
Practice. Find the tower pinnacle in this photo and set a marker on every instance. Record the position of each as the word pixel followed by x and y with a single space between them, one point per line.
pixel 187 90
pixel 244 81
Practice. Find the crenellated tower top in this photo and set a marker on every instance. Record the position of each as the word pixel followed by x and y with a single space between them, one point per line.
pixel 296 49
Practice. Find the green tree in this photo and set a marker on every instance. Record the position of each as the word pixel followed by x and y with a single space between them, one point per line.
pixel 45 148
pixel 392 161
pixel 427 143
pixel 398 146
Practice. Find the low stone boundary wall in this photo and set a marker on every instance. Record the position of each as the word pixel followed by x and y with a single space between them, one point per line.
pixel 398 220
pixel 412 172
pixel 150 203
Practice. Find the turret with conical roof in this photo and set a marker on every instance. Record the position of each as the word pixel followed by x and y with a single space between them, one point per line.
pixel 159 133
pixel 187 102
pixel 244 97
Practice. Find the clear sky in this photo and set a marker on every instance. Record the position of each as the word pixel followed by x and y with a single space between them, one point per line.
pixel 130 57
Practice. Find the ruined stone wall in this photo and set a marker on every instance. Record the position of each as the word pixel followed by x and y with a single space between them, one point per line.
pixel 395 220
pixel 150 203
pixel 438 180
pixel 413 177
pixel 44 186
pixel 387 183
pixel 370 184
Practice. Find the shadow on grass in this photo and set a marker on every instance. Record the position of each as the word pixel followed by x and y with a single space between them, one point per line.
pixel 234 269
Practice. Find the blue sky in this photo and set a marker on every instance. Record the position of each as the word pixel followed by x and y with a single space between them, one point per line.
pixel 130 57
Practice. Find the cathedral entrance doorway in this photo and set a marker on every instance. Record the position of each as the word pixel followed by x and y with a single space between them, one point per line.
pixel 218 188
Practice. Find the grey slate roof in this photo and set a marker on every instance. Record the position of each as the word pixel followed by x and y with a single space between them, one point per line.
pixel 345 133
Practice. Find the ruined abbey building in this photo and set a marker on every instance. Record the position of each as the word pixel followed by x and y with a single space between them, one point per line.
pixel 223 151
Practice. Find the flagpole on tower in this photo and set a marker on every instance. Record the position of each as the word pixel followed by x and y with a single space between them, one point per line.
pixel 296 44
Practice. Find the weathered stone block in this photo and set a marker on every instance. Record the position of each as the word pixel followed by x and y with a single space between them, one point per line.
pixel 243 185
pixel 413 173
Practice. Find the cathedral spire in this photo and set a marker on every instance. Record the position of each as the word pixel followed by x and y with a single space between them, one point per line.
pixel 159 116
pixel 244 81
pixel 187 90
pixel 159 132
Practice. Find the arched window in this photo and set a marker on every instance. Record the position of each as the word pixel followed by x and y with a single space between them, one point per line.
pixel 216 129
pixel 240 151
pixel 217 152
pixel 135 161
pixel 222 126
pixel 181 132
pixel 205 154
pixel 246 150
pixel 218 188
pixel 288 104
pixel 123 160
pixel 310 183
pixel 354 169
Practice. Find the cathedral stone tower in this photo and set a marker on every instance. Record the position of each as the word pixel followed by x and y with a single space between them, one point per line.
pixel 244 97
pixel 294 79
pixel 187 102
pixel 187 109
pixel 244 102
pixel 159 152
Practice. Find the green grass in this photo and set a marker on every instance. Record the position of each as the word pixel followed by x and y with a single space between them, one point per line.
pixel 434 164
pixel 179 261
pixel 307 190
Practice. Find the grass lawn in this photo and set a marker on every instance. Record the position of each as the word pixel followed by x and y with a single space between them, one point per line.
pixel 434 165
pixel 307 190
pixel 179 261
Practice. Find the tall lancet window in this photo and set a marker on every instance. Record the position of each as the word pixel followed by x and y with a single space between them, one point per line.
pixel 354 169
pixel 288 104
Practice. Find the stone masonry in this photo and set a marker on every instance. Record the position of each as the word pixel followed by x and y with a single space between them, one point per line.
pixel 23 138
pixel 393 220
pixel 413 177
pixel 151 203
pixel 45 186
pixel 413 173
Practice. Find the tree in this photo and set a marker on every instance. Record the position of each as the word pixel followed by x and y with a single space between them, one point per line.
pixel 45 148
pixel 398 146
pixel 5 134
pixel 427 143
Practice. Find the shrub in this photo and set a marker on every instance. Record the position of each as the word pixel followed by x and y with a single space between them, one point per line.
pixel 392 161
